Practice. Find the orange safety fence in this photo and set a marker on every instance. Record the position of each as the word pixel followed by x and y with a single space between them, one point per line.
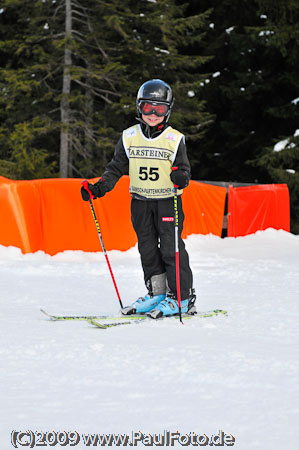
pixel 50 215
pixel 253 208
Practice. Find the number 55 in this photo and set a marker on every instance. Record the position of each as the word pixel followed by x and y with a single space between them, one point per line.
pixel 151 173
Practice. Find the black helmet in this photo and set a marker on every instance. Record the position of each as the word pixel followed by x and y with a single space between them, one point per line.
pixel 156 92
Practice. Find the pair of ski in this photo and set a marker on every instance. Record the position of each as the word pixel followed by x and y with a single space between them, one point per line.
pixel 128 319
pixel 105 322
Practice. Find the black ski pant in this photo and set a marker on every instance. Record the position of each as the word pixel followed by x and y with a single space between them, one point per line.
pixel 153 222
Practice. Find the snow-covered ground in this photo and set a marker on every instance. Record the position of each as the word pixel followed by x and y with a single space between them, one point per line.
pixel 238 374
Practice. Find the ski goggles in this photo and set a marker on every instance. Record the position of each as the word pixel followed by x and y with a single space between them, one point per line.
pixel 159 109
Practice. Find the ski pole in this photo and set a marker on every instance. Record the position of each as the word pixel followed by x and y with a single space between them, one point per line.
pixel 85 185
pixel 176 243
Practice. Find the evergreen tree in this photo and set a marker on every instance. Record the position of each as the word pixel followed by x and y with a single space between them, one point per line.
pixel 232 93
pixel 48 80
pixel 72 71
pixel 253 93
pixel 26 99
pixel 279 160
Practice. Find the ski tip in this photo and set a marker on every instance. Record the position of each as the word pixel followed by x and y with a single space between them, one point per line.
pixel 46 314
pixel 96 324
pixel 106 325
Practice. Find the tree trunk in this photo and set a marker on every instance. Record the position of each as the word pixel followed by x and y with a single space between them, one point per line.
pixel 89 106
pixel 66 90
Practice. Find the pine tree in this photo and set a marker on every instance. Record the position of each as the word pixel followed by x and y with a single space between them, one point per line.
pixel 23 93
pixel 71 71
pixel 252 91
pixel 280 158
pixel 231 92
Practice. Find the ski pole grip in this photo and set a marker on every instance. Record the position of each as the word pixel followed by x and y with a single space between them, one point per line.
pixel 173 169
pixel 85 185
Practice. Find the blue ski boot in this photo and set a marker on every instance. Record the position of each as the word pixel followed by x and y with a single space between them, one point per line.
pixel 156 293
pixel 143 304
pixel 170 306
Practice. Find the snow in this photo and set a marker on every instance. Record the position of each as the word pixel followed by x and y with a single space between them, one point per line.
pixel 281 145
pixel 229 30
pixel 161 50
pixel 238 374
pixel 266 33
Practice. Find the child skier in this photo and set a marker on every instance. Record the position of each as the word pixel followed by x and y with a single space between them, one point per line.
pixel 157 160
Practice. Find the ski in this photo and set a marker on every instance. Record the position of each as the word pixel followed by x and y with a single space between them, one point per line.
pixel 126 320
pixel 104 326
pixel 58 317
pixel 139 319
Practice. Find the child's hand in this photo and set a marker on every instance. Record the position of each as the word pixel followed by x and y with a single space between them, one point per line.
pixel 179 178
pixel 96 190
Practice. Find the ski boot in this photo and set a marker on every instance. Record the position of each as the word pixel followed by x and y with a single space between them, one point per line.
pixel 170 306
pixel 156 287
pixel 143 304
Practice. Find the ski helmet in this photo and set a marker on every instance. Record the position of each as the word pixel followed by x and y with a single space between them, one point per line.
pixel 155 93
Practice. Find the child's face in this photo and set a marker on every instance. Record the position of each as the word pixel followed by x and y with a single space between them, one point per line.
pixel 152 120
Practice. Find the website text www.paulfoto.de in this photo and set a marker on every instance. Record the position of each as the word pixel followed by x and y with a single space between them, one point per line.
pixel 167 438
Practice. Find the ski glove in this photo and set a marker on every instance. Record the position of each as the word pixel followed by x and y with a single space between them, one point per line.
pixel 180 178
pixel 96 189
